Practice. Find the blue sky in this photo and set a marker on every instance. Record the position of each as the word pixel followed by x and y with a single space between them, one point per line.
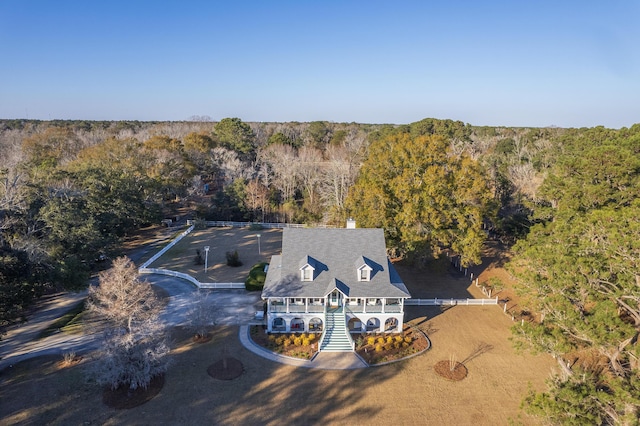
pixel 512 63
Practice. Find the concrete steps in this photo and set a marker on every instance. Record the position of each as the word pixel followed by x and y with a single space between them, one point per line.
pixel 336 338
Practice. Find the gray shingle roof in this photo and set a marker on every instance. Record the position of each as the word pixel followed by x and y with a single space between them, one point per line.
pixel 335 253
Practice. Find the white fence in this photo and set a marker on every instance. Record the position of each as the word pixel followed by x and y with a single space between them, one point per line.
pixel 224 223
pixel 191 279
pixel 167 247
pixel 439 302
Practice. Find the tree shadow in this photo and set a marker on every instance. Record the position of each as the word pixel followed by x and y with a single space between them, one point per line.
pixel 479 349
pixel 265 393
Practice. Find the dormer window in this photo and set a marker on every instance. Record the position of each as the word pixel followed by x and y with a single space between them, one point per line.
pixel 364 273
pixel 306 273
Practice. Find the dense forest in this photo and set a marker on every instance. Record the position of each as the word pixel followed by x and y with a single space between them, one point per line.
pixel 566 200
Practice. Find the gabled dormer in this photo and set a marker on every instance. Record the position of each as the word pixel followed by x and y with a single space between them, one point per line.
pixel 363 269
pixel 307 269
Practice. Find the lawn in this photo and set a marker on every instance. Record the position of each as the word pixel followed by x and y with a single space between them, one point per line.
pixel 408 392
pixel 42 391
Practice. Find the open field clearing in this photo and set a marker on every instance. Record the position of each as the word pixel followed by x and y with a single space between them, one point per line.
pixel 181 257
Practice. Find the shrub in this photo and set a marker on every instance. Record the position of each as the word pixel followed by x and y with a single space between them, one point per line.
pixel 233 259
pixel 371 340
pixel 306 341
pixel 381 340
pixel 297 341
pixel 279 340
pixel 256 278
pixel 387 346
pixel 272 338
pixel 408 339
pixel 378 348
pixel 198 259
pixel 255 227
pixel 396 345
pixel 389 339
pixel 399 339
pixel 405 345
pixel 287 342
pixel 312 336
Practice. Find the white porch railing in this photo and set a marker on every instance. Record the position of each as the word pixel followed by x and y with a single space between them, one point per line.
pixel 438 302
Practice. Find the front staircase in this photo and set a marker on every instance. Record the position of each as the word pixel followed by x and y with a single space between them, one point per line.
pixel 336 336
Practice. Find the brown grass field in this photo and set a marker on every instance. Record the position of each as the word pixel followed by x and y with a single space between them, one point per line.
pixel 220 240
pixel 40 391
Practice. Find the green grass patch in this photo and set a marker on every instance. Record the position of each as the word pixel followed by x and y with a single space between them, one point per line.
pixel 256 278
pixel 70 322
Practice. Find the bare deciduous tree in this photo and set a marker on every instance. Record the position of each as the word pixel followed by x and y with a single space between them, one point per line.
pixel 282 159
pixel 200 316
pixel 134 347
pixel 257 197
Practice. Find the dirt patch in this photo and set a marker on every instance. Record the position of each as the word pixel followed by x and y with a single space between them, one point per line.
pixel 455 374
pixel 226 369
pixel 125 398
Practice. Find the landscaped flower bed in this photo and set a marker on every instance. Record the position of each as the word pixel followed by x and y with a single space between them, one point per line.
pixel 298 345
pixel 384 347
pixel 373 348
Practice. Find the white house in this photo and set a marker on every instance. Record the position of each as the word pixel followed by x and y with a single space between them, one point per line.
pixel 332 280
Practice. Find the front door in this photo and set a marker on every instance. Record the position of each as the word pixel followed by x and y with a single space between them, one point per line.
pixel 335 298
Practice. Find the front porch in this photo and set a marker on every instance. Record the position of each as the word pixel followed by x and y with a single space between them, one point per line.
pixel 293 324
pixel 354 305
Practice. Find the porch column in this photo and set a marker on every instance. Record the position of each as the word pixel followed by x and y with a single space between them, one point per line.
pixel 287 304
pixel 384 302
pixel 306 305
pixel 364 305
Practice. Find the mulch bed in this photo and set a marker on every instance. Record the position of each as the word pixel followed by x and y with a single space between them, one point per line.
pixel 368 352
pixel 443 368
pixel 232 370
pixel 125 398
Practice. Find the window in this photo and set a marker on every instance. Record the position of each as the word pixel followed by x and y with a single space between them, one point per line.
pixel 364 273
pixel 307 273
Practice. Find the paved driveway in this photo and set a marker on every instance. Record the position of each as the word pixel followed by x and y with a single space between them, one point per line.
pixel 227 307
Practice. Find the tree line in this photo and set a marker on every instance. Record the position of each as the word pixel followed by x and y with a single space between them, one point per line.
pixel 70 191
pixel 566 199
